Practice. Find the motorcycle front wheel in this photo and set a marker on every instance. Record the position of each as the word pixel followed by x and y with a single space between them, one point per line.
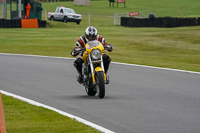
pixel 100 85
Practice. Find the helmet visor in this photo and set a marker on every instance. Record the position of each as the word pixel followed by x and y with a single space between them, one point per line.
pixel 91 37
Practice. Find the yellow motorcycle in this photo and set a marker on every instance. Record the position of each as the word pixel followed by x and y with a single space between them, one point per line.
pixel 94 77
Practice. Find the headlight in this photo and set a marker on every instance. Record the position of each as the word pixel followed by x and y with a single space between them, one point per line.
pixel 95 55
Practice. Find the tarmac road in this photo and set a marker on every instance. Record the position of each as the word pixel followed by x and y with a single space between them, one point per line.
pixel 138 99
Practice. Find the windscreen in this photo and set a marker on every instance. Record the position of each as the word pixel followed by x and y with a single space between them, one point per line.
pixel 67 10
pixel 94 43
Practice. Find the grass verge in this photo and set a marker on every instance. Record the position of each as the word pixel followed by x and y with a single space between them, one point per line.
pixel 177 48
pixel 22 117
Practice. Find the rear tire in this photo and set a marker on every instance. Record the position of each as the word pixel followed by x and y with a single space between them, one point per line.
pixel 78 22
pixel 65 20
pixel 90 91
pixel 100 85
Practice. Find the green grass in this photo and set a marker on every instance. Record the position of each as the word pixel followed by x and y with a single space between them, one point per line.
pixel 177 48
pixel 102 15
pixel 22 117
pixel 162 8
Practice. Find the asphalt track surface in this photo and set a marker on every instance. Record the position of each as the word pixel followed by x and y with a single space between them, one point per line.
pixel 138 99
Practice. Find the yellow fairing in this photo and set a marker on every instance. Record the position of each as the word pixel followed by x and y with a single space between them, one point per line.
pixel 89 48
pixel 98 69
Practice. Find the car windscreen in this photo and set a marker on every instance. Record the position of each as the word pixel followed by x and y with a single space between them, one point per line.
pixel 69 11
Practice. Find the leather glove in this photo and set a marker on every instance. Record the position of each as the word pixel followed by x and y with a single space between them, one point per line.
pixel 75 51
pixel 110 47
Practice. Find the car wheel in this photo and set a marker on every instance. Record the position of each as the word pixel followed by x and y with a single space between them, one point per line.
pixel 52 18
pixel 65 19
pixel 78 22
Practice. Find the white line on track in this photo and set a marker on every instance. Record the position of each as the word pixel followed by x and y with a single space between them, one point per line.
pixel 152 67
pixel 161 68
pixel 102 129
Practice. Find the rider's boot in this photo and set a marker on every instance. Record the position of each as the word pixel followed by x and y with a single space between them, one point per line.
pixel 106 61
pixel 79 78
pixel 78 65
pixel 107 79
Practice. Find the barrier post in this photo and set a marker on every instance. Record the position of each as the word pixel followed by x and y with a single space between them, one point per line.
pixel 2 121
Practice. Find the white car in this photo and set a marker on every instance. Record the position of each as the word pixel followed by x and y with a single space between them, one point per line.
pixel 65 14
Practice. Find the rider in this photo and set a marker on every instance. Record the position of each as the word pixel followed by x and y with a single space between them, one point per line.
pixel 90 34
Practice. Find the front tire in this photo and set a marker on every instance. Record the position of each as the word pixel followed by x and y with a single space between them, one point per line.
pixel 65 20
pixel 100 85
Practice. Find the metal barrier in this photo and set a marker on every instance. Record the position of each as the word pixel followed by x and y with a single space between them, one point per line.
pixel 167 22
pixel 17 23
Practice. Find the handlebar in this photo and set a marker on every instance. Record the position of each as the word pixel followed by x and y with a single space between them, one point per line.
pixel 77 50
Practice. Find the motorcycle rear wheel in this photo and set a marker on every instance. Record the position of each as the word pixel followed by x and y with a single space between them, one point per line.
pixel 100 85
pixel 90 91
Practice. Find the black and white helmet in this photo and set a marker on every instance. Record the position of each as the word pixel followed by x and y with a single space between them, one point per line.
pixel 91 33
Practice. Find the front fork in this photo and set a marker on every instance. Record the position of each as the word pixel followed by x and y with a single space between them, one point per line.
pixel 97 69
